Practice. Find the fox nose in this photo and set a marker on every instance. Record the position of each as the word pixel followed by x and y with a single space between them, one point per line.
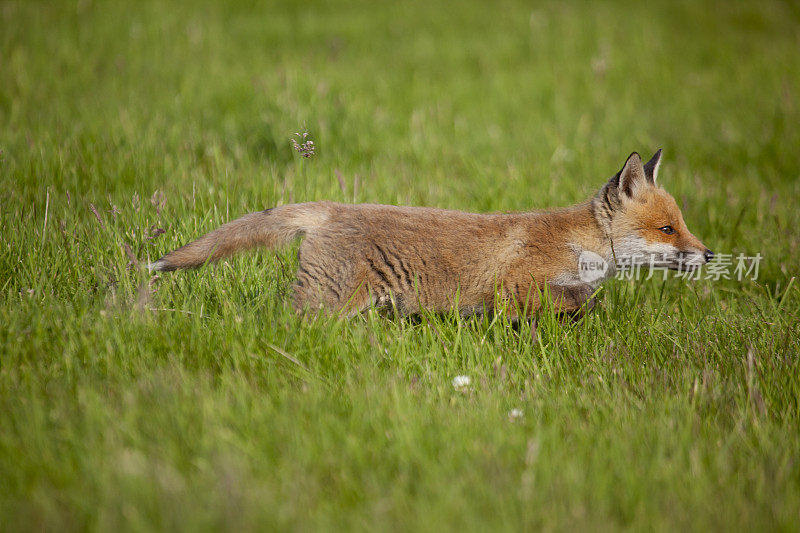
pixel 708 254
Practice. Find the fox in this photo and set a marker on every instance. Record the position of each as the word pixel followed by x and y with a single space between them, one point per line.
pixel 354 257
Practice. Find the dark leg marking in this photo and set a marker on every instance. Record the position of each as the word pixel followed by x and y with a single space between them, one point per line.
pixel 405 276
pixel 381 274
pixel 389 264
pixel 316 276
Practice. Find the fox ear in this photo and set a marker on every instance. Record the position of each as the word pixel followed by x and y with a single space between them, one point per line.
pixel 632 176
pixel 651 167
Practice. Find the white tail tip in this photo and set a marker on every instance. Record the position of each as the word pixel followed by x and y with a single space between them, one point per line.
pixel 156 265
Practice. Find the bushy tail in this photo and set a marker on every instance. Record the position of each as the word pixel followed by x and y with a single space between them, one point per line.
pixel 270 228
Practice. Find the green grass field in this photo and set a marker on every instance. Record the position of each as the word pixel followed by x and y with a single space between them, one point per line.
pixel 199 401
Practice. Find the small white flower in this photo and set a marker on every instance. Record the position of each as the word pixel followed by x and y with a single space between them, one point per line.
pixel 516 414
pixel 460 383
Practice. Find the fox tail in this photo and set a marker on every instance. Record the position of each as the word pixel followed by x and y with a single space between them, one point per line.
pixel 270 228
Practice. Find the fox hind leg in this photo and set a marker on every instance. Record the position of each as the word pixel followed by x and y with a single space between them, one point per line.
pixel 316 288
pixel 328 281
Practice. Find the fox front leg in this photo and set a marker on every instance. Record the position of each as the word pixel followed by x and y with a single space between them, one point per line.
pixel 573 299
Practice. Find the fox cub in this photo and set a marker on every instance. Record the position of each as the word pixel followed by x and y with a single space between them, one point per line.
pixel 412 258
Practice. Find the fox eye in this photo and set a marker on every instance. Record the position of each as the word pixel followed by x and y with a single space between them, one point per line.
pixel 669 230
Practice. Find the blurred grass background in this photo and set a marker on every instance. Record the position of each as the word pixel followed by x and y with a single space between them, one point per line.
pixel 198 400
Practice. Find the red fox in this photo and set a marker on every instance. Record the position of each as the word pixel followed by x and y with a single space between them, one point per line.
pixel 354 257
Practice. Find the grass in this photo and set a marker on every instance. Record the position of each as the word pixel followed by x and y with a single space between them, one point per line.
pixel 199 400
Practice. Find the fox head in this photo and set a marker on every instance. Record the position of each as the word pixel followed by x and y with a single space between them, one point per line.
pixel 643 220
